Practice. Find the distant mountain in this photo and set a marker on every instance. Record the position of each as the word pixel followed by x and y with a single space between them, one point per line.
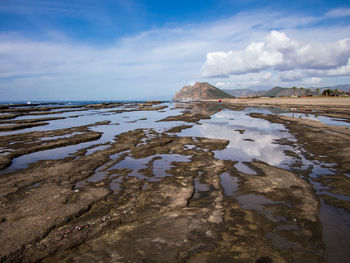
pixel 277 92
pixel 274 92
pixel 285 92
pixel 201 91
pixel 244 92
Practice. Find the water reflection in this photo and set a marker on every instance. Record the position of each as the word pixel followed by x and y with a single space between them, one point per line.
pixel 256 142
pixel 323 119
pixel 118 125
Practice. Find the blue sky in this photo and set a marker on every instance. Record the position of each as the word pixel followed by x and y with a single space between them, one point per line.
pixel 121 50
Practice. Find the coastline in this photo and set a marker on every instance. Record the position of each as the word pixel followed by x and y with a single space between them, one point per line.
pixel 315 101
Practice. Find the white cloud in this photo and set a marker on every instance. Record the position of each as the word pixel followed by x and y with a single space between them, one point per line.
pixel 312 81
pixel 338 13
pixel 290 75
pixel 336 72
pixel 280 53
pixel 264 148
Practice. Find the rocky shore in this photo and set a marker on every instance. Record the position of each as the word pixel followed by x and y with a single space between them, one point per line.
pixel 156 195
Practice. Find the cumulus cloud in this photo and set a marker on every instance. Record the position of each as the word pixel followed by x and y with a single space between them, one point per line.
pixel 312 81
pixel 290 75
pixel 280 53
pixel 336 72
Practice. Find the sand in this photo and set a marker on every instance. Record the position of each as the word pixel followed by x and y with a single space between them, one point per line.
pixel 319 101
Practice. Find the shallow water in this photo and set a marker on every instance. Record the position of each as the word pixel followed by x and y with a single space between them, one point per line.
pixel 256 142
pixel 323 119
pixel 23 161
pixel 336 234
pixel 118 125
pixel 161 163
pixel 229 184
pixel 244 169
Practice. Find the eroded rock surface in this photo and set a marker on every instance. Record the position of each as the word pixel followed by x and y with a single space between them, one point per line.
pixel 151 195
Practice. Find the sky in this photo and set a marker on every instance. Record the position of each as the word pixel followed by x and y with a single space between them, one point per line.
pixel 138 50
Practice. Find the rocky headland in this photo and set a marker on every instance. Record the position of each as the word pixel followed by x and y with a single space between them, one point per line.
pixel 200 91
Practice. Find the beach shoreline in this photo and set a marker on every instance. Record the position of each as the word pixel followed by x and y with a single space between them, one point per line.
pixel 315 101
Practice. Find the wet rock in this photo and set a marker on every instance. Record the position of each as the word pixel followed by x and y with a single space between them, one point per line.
pixel 187 117
pixel 21 126
pixel 27 121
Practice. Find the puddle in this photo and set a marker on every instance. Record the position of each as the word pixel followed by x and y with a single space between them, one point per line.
pixel 244 169
pixel 190 146
pixel 336 233
pixel 319 169
pixel 160 165
pixel 23 161
pixel 99 175
pixel 256 202
pixel 60 136
pixel 201 188
pixel 336 196
pixel 265 110
pixel 95 149
pixel 323 119
pixel 117 155
pixel 131 163
pixel 115 184
pixel 224 125
pixel 229 184
pixel 281 242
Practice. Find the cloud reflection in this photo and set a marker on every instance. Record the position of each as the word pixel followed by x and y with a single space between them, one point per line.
pixel 223 125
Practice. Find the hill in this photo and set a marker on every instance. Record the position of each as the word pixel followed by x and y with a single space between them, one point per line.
pixel 201 91
pixel 244 92
pixel 285 92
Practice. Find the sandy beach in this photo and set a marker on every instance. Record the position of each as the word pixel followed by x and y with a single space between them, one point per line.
pixel 317 101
